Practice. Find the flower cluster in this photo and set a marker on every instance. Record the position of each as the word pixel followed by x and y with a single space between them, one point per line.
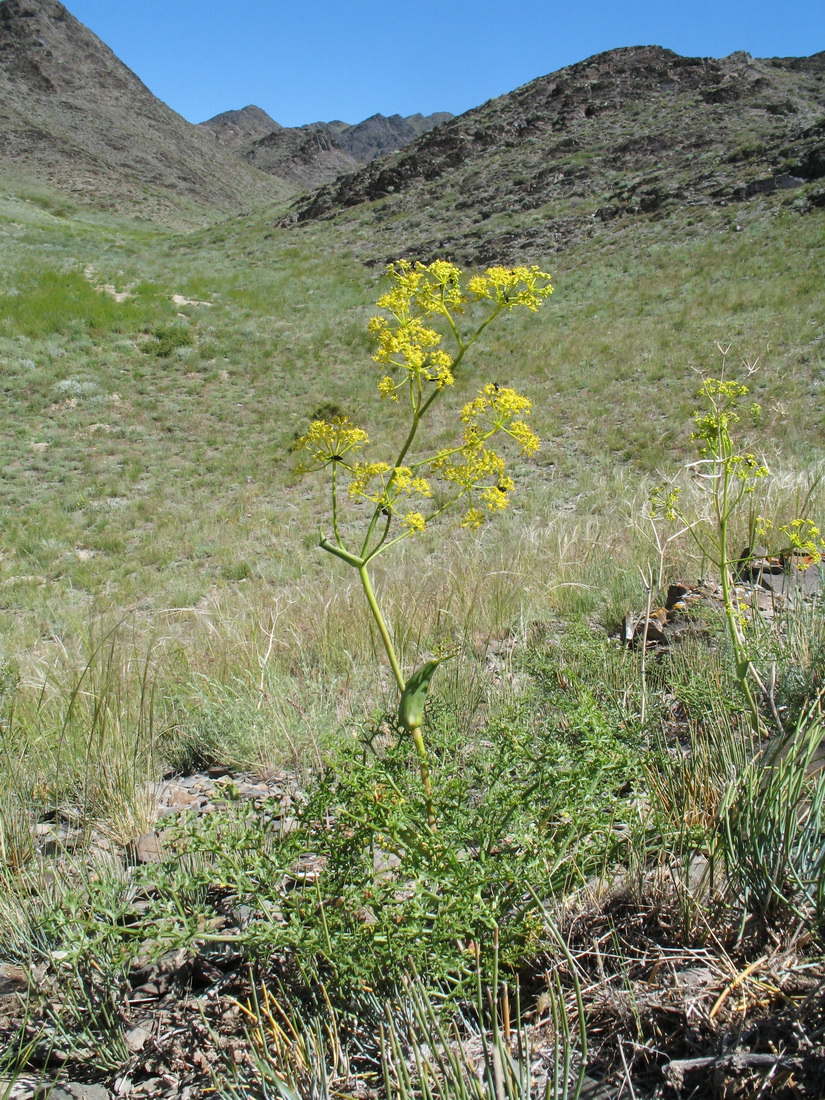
pixel 512 286
pixel 712 430
pixel 425 288
pixel 498 407
pixel 403 339
pixel 421 292
pixel 746 467
pixel 664 501
pixel 388 487
pixel 470 465
pixel 330 440
pixel 411 352
pixel 475 468
pixel 805 541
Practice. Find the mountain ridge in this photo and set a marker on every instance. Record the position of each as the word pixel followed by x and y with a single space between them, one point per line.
pixel 314 154
pixel 632 131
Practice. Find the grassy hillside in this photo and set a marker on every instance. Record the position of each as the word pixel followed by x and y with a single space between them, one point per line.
pixel 113 403
pixel 164 607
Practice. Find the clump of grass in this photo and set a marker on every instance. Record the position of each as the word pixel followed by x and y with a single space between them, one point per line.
pixel 483 1050
pixel 772 823
pixel 169 339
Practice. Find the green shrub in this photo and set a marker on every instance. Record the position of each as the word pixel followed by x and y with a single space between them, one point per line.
pixel 169 338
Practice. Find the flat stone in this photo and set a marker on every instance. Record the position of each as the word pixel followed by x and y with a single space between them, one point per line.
pixel 147 848
pixel 137 1038
pixel 156 979
pixel 57 838
pixel 183 799
pixel 21 1088
pixel 254 790
pixel 205 973
pixel 13 979
pixel 72 1091
pixel 804 582
pixel 242 915
pixel 153 1087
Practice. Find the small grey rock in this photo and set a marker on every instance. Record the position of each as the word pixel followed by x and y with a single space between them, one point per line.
pixel 13 979
pixel 73 1090
pixel 137 1038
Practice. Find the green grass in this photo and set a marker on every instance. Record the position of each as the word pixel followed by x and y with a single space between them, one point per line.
pixel 609 366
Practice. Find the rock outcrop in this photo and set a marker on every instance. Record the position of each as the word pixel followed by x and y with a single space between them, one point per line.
pixel 634 131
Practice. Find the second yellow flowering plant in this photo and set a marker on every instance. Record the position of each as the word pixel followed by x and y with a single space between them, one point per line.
pixel 417 370
pixel 728 477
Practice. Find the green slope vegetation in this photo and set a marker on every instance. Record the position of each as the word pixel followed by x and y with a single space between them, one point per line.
pixel 139 426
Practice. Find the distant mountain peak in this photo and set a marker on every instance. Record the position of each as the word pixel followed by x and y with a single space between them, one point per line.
pixel 238 129
pixel 379 135
pixel 319 152
pixel 250 113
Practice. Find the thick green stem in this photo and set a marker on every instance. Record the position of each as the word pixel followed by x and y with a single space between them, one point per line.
pixel 340 552
pixel 380 622
pixel 382 626
pixel 417 736
pixel 335 504
pixel 741 658
pixel 424 768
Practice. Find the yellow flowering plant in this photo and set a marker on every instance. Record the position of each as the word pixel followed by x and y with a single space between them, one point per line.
pixel 729 476
pixel 417 369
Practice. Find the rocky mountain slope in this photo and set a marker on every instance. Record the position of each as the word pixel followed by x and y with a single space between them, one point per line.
pixel 304 158
pixel 238 130
pixel 634 131
pixel 312 155
pixel 71 112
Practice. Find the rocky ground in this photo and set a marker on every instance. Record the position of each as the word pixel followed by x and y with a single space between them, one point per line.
pixel 721 1019
pixel 178 1015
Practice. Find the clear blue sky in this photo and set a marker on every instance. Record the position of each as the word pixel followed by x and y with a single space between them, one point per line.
pixel 316 60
